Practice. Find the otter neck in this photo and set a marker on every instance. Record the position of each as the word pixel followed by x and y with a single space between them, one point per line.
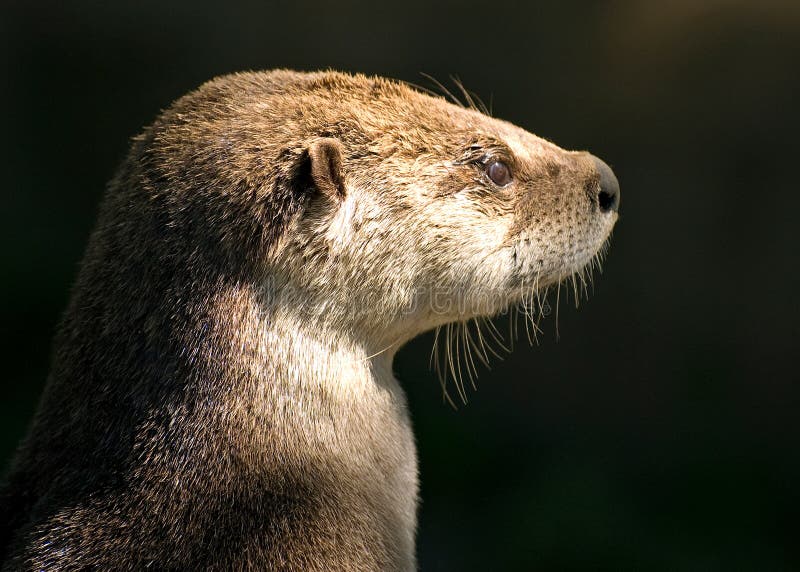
pixel 320 408
pixel 321 387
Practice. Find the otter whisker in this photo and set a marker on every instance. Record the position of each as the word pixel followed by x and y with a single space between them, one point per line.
pixel 472 371
pixel 537 292
pixel 512 325
pixel 465 94
pixel 445 91
pixel 519 308
pixel 600 256
pixel 473 100
pixel 558 301
pixel 421 88
pixel 535 329
pixel 485 343
pixel 530 300
pixel 518 313
pixel 513 318
pixel 575 291
pixel 583 283
pixel 480 346
pixel 454 364
pixel 541 302
pixel 460 344
pixel 496 335
pixel 460 377
pixel 480 350
pixel 527 301
pixel 441 373
pixel 434 361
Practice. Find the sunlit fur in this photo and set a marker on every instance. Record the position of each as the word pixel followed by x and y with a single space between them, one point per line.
pixel 221 394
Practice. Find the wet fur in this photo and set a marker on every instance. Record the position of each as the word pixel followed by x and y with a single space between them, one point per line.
pixel 221 393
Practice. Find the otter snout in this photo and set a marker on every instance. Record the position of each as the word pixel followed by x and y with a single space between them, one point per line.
pixel 608 192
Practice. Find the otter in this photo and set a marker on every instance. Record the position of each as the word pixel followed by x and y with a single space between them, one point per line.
pixel 221 393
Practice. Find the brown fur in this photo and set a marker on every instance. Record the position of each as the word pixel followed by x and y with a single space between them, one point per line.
pixel 221 394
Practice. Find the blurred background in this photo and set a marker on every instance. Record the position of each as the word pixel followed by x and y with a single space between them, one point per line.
pixel 660 431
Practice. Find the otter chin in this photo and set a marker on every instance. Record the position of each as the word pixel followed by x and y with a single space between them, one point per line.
pixel 221 393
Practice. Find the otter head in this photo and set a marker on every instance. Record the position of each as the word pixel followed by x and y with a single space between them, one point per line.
pixel 375 209
pixel 425 213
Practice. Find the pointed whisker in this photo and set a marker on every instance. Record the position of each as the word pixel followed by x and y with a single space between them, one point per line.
pixel 575 290
pixel 455 364
pixel 445 91
pixel 487 343
pixel 472 371
pixel 480 351
pixel 495 333
pixel 466 95
pixel 434 361
pixel 558 301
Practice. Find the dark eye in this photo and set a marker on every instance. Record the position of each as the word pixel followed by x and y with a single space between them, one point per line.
pixel 499 173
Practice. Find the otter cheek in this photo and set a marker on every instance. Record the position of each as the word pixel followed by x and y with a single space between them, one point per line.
pixel 339 231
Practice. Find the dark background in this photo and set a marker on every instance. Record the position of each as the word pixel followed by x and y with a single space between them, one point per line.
pixel 660 431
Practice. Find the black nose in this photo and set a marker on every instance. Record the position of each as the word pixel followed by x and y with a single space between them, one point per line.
pixel 608 196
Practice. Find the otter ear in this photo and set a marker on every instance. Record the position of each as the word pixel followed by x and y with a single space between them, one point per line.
pixel 325 155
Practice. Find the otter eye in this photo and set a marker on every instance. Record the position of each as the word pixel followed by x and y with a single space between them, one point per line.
pixel 499 173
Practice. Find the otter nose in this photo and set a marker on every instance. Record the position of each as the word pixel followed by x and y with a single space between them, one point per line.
pixel 608 196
